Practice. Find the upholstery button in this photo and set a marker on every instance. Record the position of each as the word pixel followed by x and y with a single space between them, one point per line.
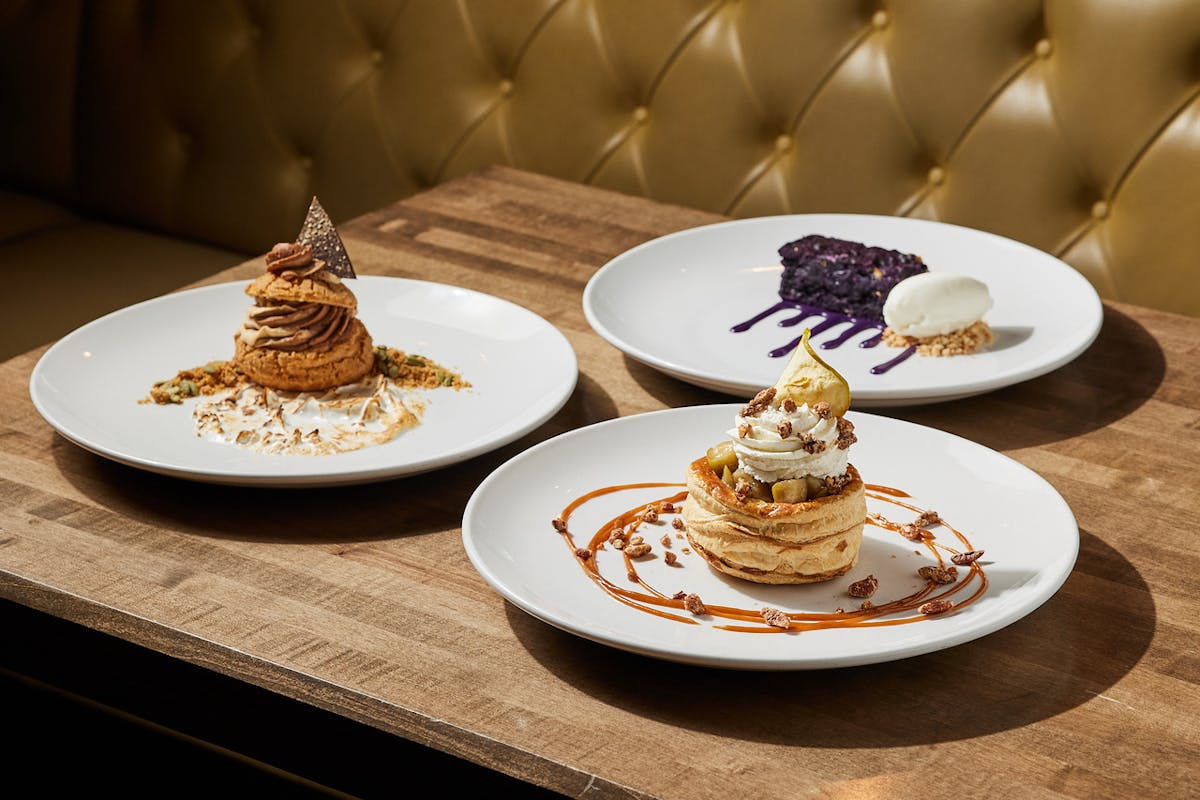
pixel 1043 48
pixel 506 87
pixel 377 57
pixel 880 20
pixel 1099 209
pixel 937 176
pixel 783 142
pixel 640 114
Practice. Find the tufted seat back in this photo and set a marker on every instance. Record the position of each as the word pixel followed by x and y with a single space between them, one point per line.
pixel 1072 125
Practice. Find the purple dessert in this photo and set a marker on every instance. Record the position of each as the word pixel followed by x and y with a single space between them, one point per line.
pixel 846 277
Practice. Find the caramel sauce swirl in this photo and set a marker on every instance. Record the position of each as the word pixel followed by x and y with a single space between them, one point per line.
pixel 637 593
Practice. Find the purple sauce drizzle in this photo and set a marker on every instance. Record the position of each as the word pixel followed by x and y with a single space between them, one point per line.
pixel 829 319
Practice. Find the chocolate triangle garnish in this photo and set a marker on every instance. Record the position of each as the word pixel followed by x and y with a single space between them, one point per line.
pixel 318 232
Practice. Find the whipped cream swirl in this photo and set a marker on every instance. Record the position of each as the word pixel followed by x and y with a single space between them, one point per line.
pixel 776 443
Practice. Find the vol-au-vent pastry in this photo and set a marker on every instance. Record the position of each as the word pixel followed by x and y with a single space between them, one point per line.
pixel 779 500
pixel 302 333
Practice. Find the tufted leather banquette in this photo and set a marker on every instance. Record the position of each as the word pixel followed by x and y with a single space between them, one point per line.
pixel 146 144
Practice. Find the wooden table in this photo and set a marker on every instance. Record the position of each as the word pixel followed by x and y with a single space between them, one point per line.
pixel 361 601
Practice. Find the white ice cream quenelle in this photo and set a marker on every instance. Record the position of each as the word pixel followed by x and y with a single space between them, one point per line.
pixel 934 303
pixel 770 458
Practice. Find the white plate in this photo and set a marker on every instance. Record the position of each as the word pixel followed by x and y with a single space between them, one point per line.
pixel 1027 531
pixel 670 303
pixel 87 385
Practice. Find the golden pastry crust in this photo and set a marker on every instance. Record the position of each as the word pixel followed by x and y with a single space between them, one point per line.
pixel 311 370
pixel 330 292
pixel 773 542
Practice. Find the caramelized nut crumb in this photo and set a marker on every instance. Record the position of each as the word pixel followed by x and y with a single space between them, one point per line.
pixel 776 618
pixel 559 524
pixel 935 607
pixel 759 404
pixel 785 429
pixel 633 576
pixel 583 553
pixel 637 550
pixel 670 558
pixel 789 405
pixel 866 605
pixel 618 543
pixel 969 557
pixel 693 604
pixel 668 508
pixel 926 519
pixel 665 541
pixel 912 532
pixel 864 588
pixel 679 595
pixel 677 523
pixel 744 430
pixel 822 409
pixel 650 514
pixel 939 574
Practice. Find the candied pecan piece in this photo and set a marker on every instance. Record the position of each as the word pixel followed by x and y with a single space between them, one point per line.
pixel 785 429
pixel 846 436
pixel 912 532
pixel 650 514
pixel 964 559
pixel 926 519
pixel 668 508
pixel 866 605
pixel 822 410
pixel 811 444
pixel 637 550
pixel 693 604
pixel 618 543
pixel 742 490
pixel 744 430
pixel 559 524
pixel 835 483
pixel 939 574
pixel 864 588
pixel 759 403
pixel 677 523
pixel 670 558
pixel 935 607
pixel 776 618
pixel 788 405
pixel 665 541
pixel 583 553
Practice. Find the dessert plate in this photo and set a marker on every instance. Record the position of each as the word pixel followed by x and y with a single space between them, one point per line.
pixel 1027 532
pixel 87 386
pixel 671 303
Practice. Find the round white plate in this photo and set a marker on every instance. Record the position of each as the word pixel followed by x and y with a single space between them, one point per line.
pixel 1028 534
pixel 87 385
pixel 670 303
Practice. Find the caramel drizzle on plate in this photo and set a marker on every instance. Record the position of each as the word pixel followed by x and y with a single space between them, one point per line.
pixel 651 600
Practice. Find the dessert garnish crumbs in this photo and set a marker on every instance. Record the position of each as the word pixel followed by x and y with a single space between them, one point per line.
pixel 939 574
pixel 776 618
pixel 935 607
pixel 864 588
pixel 692 603
pixel 403 369
pixel 969 557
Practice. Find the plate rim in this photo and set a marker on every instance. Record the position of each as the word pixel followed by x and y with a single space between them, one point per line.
pixel 1005 617
pixel 310 478
pixel 1079 341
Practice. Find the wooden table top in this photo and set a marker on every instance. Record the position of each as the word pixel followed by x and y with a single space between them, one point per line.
pixel 361 600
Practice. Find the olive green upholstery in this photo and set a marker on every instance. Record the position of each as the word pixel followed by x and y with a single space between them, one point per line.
pixel 147 144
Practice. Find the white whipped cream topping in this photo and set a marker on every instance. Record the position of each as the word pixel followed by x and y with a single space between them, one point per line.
pixel 371 411
pixel 933 303
pixel 770 458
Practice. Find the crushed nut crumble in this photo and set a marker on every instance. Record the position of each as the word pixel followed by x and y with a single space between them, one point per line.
pixel 865 587
pixel 776 618
pixel 964 559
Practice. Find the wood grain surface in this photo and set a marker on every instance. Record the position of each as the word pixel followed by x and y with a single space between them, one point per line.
pixel 360 600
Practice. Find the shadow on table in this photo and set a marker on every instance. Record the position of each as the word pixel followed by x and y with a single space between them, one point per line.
pixel 1111 379
pixel 397 508
pixel 1063 655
